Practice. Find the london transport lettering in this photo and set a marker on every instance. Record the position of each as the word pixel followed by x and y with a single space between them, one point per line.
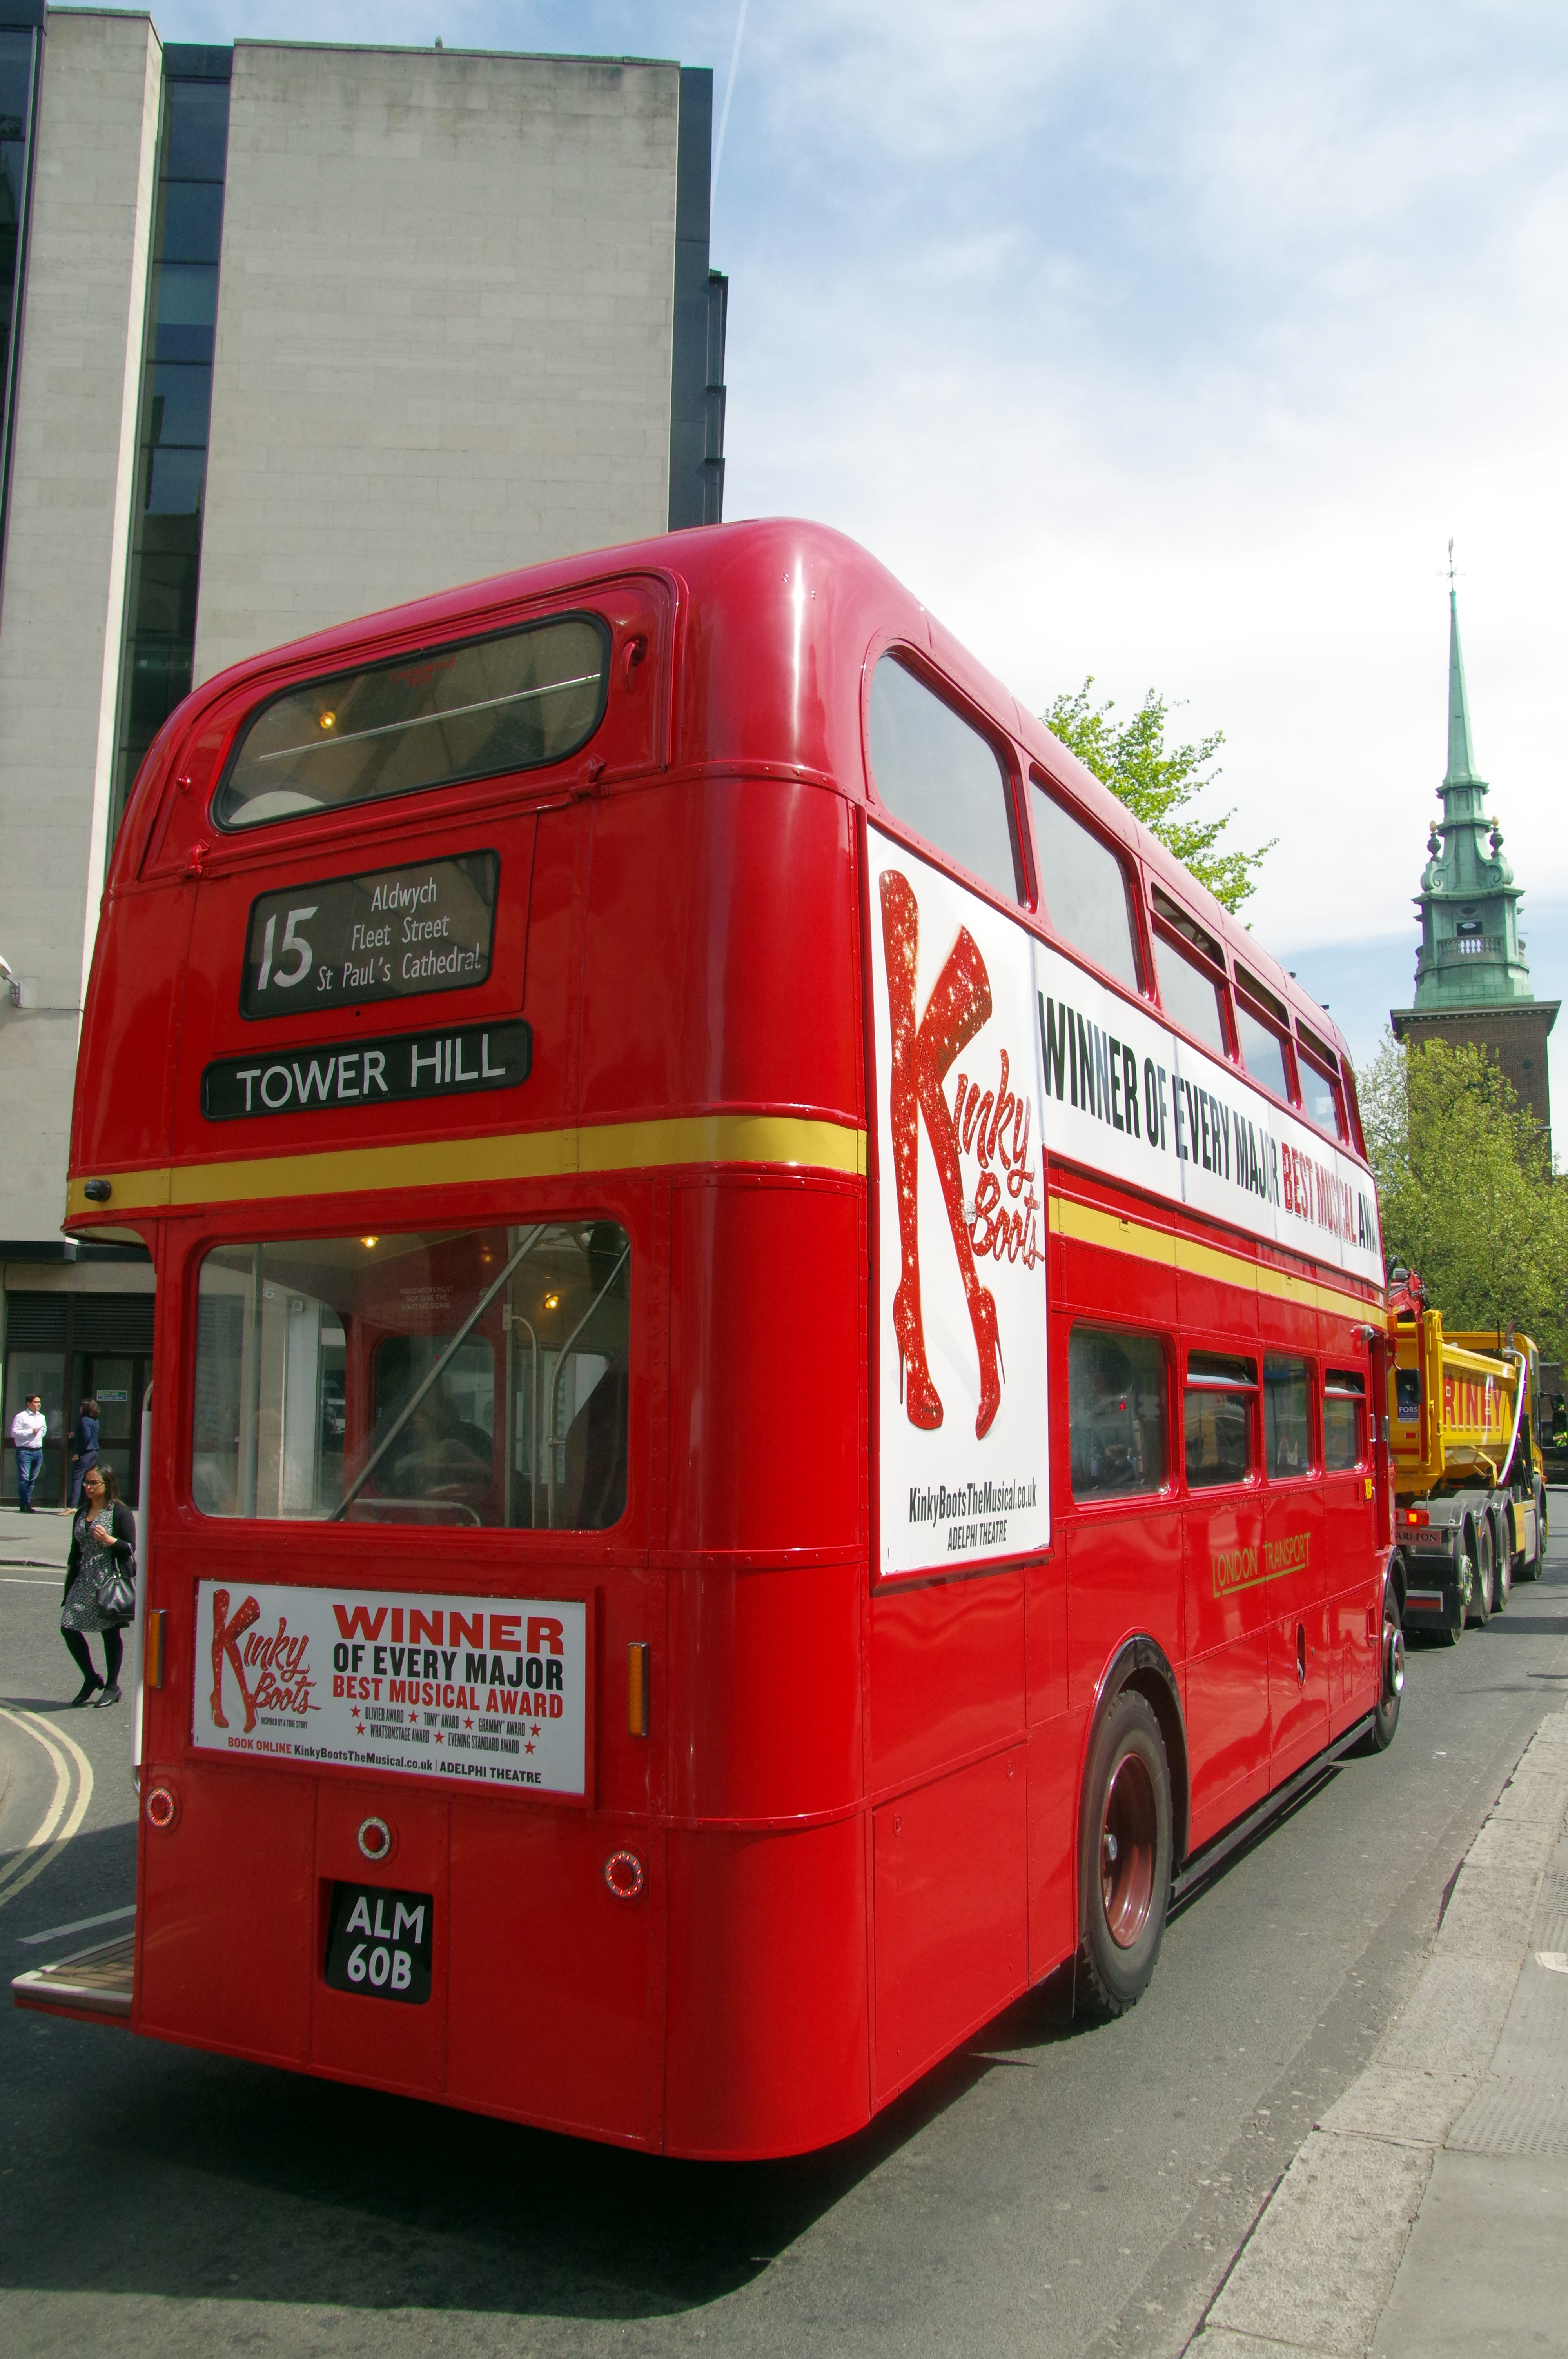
pixel 1239 1568
pixel 989 1047
pixel 376 1071
pixel 350 939
pixel 492 1690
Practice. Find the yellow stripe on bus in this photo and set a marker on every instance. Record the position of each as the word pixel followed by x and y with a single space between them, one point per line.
pixel 465 1162
pixel 1091 1226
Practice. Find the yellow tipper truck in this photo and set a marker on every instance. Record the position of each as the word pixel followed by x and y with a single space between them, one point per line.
pixel 1465 1450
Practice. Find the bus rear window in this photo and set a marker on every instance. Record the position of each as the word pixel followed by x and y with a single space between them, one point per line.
pixel 516 700
pixel 475 1377
pixel 936 772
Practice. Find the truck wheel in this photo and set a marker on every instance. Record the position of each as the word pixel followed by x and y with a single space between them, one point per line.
pixel 1481 1589
pixel 1531 1565
pixel 1502 1557
pixel 1124 1853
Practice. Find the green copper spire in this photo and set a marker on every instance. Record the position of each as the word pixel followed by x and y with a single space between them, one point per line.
pixel 1459 771
pixel 1470 952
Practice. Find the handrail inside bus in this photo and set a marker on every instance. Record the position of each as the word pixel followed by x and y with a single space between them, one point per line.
pixel 422 719
pixel 475 1315
pixel 552 1442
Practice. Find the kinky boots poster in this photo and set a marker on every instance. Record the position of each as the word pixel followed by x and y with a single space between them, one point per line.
pixel 961 1331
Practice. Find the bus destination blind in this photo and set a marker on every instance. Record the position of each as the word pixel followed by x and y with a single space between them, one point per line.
pixel 388 935
pixel 385 1070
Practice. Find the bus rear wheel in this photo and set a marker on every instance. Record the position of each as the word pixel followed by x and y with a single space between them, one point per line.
pixel 1125 1847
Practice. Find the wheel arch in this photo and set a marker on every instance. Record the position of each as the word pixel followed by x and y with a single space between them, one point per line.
pixel 1141 1662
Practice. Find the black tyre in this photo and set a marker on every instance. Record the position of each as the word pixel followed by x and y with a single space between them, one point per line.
pixel 1124 1853
pixel 1390 1676
pixel 1481 1587
pixel 1529 1566
pixel 1502 1557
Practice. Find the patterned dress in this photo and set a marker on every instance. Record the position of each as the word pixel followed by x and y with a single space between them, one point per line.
pixel 95 1562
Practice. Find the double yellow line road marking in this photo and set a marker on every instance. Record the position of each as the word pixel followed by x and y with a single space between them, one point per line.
pixel 64 1815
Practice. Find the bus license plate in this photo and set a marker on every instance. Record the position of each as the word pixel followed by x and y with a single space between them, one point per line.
pixel 379 1942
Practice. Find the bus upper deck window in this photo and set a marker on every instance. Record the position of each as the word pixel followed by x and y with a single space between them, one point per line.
pixel 936 773
pixel 1084 887
pixel 1262 1049
pixel 516 700
pixel 1216 1419
pixel 1320 1090
pixel 476 1377
pixel 1192 996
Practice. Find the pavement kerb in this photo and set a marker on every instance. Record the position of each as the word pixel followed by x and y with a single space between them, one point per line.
pixel 1314 2273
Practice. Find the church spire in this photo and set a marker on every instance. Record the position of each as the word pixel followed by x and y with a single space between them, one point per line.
pixel 1460 773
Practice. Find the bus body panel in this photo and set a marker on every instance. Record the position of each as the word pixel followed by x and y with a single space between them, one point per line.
pixel 854 1816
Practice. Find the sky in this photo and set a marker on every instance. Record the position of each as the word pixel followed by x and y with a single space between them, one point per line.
pixel 1168 345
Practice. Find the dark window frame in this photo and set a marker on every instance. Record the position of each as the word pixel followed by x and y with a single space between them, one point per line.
pixel 1187 939
pixel 918 664
pixel 1216 1379
pixel 1165 1343
pixel 1040 907
pixel 426 651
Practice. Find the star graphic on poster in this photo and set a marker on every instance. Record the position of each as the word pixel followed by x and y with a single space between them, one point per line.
pixel 468 1723
pixel 529 1746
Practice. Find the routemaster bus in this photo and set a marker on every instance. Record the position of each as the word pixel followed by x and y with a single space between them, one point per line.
pixel 767 1410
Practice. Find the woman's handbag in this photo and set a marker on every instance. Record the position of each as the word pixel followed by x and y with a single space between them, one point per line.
pixel 118 1595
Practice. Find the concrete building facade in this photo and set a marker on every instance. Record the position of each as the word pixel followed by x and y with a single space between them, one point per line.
pixel 294 333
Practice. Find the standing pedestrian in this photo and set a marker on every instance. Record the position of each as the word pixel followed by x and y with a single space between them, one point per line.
pixel 83 1445
pixel 100 1581
pixel 28 1428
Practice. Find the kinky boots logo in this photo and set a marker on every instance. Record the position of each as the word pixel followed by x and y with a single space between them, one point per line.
pixel 272 1672
pixel 961 1223
pixel 990 1125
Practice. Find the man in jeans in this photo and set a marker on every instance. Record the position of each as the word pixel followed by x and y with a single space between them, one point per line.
pixel 28 1429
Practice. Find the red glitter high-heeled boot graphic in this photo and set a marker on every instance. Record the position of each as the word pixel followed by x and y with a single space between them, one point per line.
pixel 960 1004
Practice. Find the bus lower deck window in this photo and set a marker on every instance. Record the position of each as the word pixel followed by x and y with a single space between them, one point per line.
pixel 1116 1413
pixel 1216 1419
pixel 1344 1413
pixel 468 1377
pixel 1287 1424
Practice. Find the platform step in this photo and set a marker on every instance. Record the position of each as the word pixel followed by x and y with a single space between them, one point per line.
pixel 94 1981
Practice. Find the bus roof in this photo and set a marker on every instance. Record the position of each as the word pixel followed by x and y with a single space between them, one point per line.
pixel 744 595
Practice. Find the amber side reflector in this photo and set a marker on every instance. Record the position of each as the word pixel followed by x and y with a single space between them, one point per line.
pixel 152 1650
pixel 637 1688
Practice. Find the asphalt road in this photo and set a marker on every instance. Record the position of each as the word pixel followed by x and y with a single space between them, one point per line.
pixel 1056 2188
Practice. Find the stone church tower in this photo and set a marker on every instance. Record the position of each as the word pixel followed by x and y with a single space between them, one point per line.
pixel 1472 981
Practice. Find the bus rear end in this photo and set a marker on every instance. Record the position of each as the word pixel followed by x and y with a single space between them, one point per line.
pixel 474 1041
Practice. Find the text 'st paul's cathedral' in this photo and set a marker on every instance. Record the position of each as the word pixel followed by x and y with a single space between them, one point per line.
pixel 1472 981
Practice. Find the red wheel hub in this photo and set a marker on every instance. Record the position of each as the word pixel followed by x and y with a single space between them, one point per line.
pixel 1129 1842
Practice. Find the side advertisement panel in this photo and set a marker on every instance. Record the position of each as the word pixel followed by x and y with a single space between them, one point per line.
pixel 475 1688
pixel 1126 1097
pixel 961 1225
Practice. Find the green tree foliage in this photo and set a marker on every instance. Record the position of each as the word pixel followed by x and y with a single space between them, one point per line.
pixel 1466 1190
pixel 1158 783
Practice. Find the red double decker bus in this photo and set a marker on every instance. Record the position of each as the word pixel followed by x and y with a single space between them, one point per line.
pixel 766 1332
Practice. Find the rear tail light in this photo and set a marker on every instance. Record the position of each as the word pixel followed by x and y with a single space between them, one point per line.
pixel 1417 1515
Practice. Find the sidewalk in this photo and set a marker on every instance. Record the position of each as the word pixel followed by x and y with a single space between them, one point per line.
pixel 37 1543
pixel 1426 2213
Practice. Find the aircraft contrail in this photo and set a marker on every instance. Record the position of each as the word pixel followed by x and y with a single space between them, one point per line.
pixel 728 94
